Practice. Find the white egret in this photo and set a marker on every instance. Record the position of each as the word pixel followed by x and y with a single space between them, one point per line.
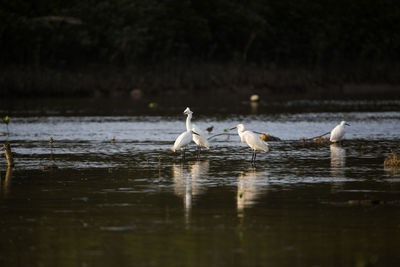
pixel 338 132
pixel 182 141
pixel 253 140
pixel 200 138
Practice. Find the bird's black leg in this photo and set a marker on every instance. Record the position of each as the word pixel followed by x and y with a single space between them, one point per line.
pixel 198 152
pixel 183 154
pixel 252 157
pixel 255 155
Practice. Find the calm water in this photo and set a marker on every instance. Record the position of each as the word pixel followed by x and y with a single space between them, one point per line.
pixel 135 203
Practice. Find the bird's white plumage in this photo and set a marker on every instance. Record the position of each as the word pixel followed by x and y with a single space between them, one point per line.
pixel 182 141
pixel 253 140
pixel 199 138
pixel 338 132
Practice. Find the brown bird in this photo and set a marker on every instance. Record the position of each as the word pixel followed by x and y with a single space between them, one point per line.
pixel 209 129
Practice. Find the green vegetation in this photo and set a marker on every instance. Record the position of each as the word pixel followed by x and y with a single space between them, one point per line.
pixel 153 105
pixel 195 44
pixel 6 120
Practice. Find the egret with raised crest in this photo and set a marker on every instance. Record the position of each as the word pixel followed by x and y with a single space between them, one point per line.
pixel 199 138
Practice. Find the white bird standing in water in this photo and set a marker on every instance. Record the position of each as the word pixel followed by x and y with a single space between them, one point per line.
pixel 338 132
pixel 199 138
pixel 253 140
pixel 182 141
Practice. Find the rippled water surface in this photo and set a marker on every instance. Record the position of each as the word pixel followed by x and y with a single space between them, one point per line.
pixel 87 201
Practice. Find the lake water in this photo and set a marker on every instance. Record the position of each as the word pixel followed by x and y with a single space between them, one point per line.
pixel 135 203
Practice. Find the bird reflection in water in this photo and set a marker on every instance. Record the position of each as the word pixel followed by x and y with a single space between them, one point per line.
pixel 250 185
pixel 187 182
pixel 254 107
pixel 254 103
pixel 338 164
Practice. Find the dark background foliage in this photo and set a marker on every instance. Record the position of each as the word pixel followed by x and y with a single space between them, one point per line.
pixel 86 46
pixel 305 33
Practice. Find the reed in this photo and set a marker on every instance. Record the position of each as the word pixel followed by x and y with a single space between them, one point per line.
pixel 9 154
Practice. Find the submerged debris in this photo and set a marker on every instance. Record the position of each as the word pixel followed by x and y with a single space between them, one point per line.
pixel 268 137
pixel 392 161
pixel 318 140
pixel 366 202
pixel 321 140
pixel 49 167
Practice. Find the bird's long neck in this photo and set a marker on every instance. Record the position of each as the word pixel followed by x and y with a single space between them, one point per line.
pixel 240 132
pixel 189 122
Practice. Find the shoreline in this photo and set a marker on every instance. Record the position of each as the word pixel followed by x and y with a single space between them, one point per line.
pixel 212 79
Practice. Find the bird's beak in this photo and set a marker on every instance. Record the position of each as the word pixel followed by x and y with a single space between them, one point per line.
pixel 232 128
pixel 347 124
pixel 195 133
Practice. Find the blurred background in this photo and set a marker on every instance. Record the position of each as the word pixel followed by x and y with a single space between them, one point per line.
pixel 329 49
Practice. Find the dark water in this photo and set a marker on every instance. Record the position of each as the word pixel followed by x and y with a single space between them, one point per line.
pixel 134 203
